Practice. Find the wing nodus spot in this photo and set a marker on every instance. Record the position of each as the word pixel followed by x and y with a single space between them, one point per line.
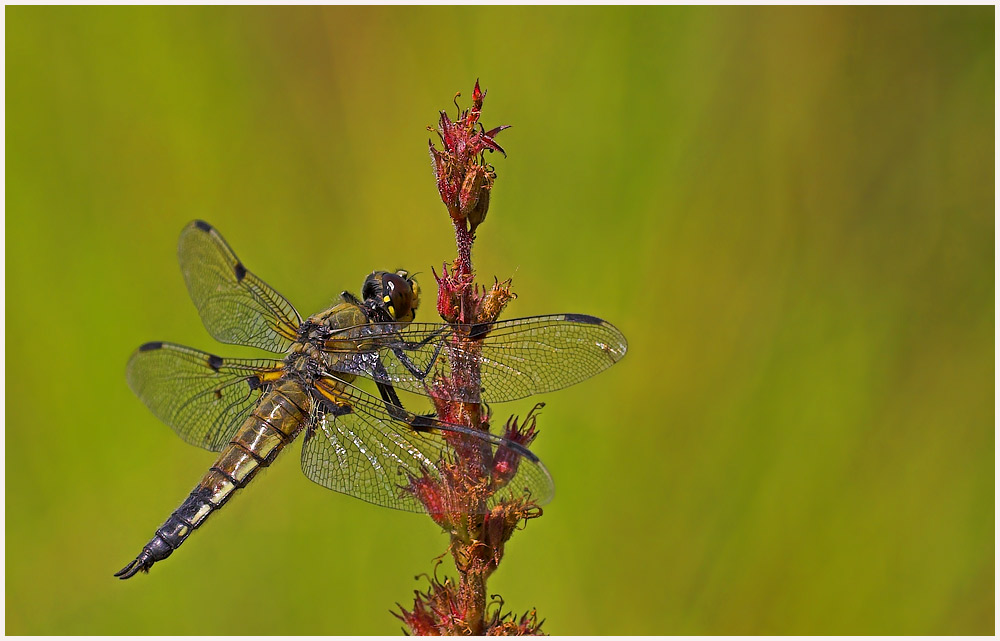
pixel 479 331
pixel 149 347
pixel 240 271
pixel 202 225
pixel 423 422
pixel 215 362
pixel 335 409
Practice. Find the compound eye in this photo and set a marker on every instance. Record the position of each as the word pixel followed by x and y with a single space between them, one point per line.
pixel 397 295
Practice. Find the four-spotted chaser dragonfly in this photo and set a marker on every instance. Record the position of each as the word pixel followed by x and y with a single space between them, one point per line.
pixel 248 410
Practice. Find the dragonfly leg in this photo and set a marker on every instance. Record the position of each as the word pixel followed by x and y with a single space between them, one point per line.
pixel 430 422
pixel 430 337
pixel 419 422
pixel 408 362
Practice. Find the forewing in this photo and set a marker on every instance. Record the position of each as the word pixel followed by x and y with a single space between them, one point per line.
pixel 235 305
pixel 517 358
pixel 202 397
pixel 367 454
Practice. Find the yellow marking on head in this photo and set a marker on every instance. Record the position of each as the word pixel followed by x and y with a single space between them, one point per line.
pixel 416 295
pixel 386 299
pixel 392 312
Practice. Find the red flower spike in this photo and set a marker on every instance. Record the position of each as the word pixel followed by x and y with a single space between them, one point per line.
pixel 468 475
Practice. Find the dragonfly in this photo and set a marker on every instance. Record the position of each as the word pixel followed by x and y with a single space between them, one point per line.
pixel 366 446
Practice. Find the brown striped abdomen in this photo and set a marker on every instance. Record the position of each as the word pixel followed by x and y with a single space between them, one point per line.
pixel 273 424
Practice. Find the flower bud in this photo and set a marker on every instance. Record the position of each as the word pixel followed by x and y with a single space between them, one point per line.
pixel 506 459
pixel 478 213
pixel 472 188
pixel 464 180
pixel 431 495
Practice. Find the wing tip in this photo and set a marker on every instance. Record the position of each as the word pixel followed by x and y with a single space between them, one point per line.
pixel 587 319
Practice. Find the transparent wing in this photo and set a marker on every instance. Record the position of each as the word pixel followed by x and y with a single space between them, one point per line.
pixel 517 358
pixel 235 305
pixel 370 455
pixel 202 397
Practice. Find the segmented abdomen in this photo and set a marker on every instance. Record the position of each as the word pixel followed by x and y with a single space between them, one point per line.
pixel 273 424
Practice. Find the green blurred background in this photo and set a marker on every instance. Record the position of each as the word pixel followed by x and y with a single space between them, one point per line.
pixel 789 213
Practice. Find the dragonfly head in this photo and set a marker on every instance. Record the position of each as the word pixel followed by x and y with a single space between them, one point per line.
pixel 392 296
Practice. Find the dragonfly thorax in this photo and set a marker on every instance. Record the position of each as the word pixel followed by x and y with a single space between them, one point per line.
pixel 319 327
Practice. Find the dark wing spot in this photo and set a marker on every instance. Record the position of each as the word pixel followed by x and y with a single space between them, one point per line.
pixel 333 409
pixel 479 331
pixel 583 318
pixel 254 383
pixel 202 225
pixel 215 362
pixel 148 347
pixel 423 423
pixel 218 394
pixel 240 271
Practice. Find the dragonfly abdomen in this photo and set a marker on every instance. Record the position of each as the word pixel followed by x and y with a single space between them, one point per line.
pixel 274 423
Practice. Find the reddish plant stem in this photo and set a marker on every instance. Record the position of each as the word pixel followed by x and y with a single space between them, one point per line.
pixel 459 497
pixel 463 239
